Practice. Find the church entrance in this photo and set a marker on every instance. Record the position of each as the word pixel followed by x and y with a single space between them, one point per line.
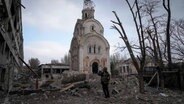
pixel 95 68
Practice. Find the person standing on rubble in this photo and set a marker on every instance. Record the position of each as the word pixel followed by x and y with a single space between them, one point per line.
pixel 105 78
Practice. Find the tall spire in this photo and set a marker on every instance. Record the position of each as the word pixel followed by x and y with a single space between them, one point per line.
pixel 88 9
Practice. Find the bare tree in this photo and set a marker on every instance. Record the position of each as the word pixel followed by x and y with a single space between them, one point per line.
pixel 66 59
pixel 166 5
pixel 34 63
pixel 114 60
pixel 153 29
pixel 177 39
pixel 117 25
pixel 54 61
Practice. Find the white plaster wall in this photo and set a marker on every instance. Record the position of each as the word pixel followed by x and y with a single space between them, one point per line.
pixel 81 52
pixel 104 53
pixel 97 26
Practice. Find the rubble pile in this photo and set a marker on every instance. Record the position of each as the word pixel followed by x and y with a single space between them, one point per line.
pixel 72 76
pixel 122 91
pixel 165 96
pixel 23 82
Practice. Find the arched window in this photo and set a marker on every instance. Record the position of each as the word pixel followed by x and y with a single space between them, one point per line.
pixel 92 28
pixel 89 49
pixel 95 48
pixel 99 49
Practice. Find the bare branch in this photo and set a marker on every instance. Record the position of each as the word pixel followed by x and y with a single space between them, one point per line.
pixel 114 22
pixel 164 5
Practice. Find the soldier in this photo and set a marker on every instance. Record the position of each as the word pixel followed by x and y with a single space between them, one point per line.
pixel 105 77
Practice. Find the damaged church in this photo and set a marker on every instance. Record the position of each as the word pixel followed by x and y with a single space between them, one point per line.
pixel 89 49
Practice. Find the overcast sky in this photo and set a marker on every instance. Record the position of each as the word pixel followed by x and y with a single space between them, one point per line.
pixel 48 25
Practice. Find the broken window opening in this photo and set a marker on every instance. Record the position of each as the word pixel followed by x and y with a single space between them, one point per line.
pixel 2 45
pixel 46 76
pixel 2 74
pixel 58 71
pixel 86 15
pixel 46 70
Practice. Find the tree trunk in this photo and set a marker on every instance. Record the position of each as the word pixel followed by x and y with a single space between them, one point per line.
pixel 141 82
pixel 167 8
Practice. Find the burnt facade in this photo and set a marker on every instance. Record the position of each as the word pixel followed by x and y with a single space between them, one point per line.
pixel 11 41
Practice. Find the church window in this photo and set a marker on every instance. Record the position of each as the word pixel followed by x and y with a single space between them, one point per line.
pixel 99 49
pixel 94 48
pixel 89 49
pixel 92 28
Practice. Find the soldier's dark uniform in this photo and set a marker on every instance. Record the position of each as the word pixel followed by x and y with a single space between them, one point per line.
pixel 105 77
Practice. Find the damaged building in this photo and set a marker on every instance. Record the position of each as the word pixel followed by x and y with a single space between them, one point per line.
pixel 52 71
pixel 11 41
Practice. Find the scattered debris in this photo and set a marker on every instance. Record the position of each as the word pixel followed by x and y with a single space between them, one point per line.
pixel 72 76
pixel 123 91
pixel 115 91
pixel 162 94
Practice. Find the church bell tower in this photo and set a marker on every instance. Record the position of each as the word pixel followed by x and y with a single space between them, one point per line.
pixel 88 9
